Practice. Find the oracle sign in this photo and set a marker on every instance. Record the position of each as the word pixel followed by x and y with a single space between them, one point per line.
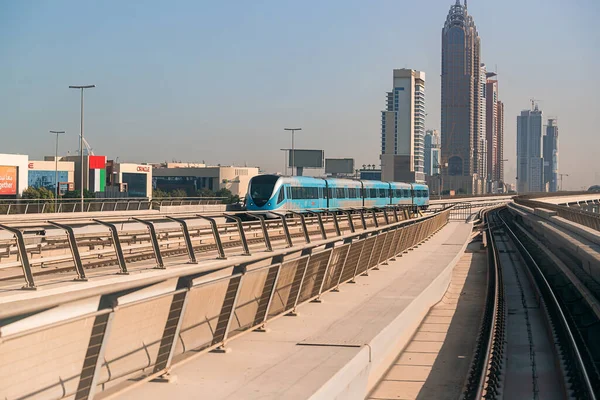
pixel 8 180
pixel 143 169
pixel 30 165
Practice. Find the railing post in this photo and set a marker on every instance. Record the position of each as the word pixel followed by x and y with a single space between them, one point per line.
pixel 396 213
pixel 24 258
pixel 286 229
pixel 321 226
pixel 94 356
pixel 240 226
pixel 303 222
pixel 375 218
pixel 350 221
pixel 154 240
pixel 74 250
pixel 171 333
pixel 187 238
pixel 227 311
pixel 216 235
pixel 265 231
pixel 362 218
pixel 336 223
pixel 362 249
pixel 117 243
pixel 267 294
pixel 293 311
pixel 385 216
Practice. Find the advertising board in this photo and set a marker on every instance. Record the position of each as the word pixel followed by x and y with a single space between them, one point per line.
pixel 8 180
pixel 339 165
pixel 307 158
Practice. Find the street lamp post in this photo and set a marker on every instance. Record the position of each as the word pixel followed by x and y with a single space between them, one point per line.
pixel 81 136
pixel 292 130
pixel 56 164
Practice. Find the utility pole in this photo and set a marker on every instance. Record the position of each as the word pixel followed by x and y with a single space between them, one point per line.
pixel 81 135
pixel 56 166
pixel 561 180
pixel 293 130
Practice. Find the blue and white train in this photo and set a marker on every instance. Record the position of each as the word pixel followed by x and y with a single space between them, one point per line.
pixel 274 192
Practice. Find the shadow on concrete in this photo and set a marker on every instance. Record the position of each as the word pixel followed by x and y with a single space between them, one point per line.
pixel 451 367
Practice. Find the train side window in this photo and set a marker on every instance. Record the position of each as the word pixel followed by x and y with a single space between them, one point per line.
pixel 281 195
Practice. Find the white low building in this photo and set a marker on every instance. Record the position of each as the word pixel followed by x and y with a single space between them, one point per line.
pixel 13 175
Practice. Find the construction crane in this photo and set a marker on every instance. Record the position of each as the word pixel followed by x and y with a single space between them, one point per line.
pixel 88 149
pixel 561 181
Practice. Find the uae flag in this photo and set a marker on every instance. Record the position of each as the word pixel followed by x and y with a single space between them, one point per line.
pixel 97 173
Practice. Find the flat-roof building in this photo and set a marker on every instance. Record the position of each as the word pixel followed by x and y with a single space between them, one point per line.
pixel 194 179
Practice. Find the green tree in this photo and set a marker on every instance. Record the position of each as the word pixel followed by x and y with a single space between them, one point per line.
pixel 31 193
pixel 158 194
pixel 45 193
pixel 178 193
pixel 230 198
pixel 205 192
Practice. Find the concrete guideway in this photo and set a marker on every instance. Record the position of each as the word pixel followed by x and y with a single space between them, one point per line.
pixel 339 348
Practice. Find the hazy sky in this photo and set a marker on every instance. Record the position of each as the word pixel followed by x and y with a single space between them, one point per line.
pixel 219 80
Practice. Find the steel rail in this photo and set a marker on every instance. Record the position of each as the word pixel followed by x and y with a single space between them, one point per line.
pixel 556 304
pixel 484 363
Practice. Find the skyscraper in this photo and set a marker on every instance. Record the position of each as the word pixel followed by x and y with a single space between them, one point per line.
pixel 462 107
pixel 499 173
pixel 481 153
pixel 403 128
pixel 551 156
pixel 432 152
pixel 530 162
pixel 491 127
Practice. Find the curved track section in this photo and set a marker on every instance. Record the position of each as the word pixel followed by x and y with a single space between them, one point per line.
pixel 528 346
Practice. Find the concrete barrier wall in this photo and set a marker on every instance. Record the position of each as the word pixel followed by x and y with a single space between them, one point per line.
pixel 356 379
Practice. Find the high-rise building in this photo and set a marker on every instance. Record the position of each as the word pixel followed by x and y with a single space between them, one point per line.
pixel 463 117
pixel 530 161
pixel 432 152
pixel 481 153
pixel 551 156
pixel 494 134
pixel 403 128
pixel 499 173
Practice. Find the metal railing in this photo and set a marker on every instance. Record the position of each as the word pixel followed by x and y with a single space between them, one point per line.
pixel 140 328
pixel 585 218
pixel 31 246
pixel 39 206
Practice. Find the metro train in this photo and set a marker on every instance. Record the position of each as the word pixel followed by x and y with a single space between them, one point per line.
pixel 297 193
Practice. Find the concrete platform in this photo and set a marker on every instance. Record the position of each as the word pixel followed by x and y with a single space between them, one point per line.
pixel 339 348
pixel 436 362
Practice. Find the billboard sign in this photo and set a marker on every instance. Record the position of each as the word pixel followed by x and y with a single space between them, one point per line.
pixel 306 158
pixel 8 180
pixel 339 165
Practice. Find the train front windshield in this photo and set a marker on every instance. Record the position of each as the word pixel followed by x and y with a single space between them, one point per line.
pixel 261 188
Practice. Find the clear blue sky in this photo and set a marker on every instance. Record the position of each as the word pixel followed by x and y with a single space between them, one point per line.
pixel 219 80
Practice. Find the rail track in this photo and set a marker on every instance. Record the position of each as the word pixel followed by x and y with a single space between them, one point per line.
pixel 532 343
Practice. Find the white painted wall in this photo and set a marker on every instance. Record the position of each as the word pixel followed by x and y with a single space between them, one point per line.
pixel 20 161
